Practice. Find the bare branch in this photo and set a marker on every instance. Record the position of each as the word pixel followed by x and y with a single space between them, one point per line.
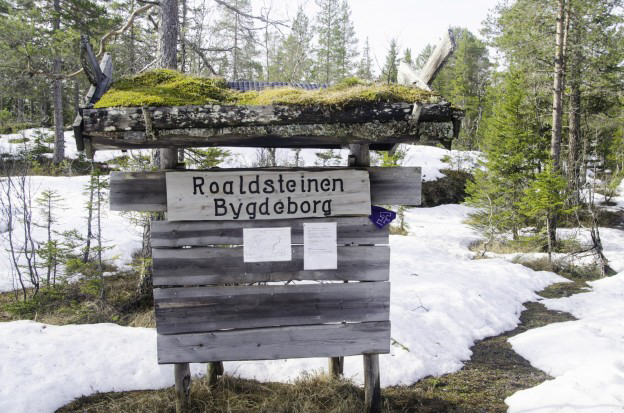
pixel 251 16
pixel 201 54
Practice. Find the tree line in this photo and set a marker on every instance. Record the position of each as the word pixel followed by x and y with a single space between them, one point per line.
pixel 541 87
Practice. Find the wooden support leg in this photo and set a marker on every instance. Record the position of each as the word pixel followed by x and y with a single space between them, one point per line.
pixel 213 371
pixel 182 372
pixel 336 366
pixel 372 388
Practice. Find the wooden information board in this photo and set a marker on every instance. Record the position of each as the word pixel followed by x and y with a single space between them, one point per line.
pixel 261 194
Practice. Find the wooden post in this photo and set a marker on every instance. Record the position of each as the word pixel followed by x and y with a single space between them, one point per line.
pixel 168 158
pixel 213 371
pixel 182 373
pixel 359 156
pixel 336 366
pixel 372 388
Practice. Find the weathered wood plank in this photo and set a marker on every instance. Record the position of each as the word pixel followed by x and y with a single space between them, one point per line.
pixel 395 186
pixel 328 340
pixel 167 234
pixel 266 194
pixel 204 309
pixel 138 191
pixel 146 191
pixel 95 92
pixel 219 116
pixel 88 61
pixel 222 265
pixel 438 58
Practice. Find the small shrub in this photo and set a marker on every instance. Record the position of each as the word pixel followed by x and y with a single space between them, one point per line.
pixel 450 189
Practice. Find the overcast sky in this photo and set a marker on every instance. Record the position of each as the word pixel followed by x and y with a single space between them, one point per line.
pixel 414 23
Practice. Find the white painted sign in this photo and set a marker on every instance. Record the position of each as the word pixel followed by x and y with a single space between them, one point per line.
pixel 266 244
pixel 265 194
pixel 320 249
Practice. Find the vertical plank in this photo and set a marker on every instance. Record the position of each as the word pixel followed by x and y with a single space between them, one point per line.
pixel 168 158
pixel 213 371
pixel 182 373
pixel 336 366
pixel 372 388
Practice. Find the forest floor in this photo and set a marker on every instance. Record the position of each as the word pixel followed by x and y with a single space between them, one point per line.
pixel 494 372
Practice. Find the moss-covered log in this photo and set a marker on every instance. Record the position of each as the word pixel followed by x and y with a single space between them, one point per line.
pixel 381 136
pixel 217 116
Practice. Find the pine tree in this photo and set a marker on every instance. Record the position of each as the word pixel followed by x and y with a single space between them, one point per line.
pixel 49 203
pixel 237 32
pixel 365 66
pixel 391 68
pixel 407 57
pixel 346 45
pixel 293 62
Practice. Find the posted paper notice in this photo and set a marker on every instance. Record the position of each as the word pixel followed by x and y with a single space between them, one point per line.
pixel 320 246
pixel 266 244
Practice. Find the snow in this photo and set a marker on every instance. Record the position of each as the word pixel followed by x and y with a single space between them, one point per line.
pixel 442 302
pixel 585 356
pixel 44 366
pixel 118 232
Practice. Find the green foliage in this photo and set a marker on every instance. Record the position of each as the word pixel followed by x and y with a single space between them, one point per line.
pixel 390 70
pixel 514 151
pixel 206 158
pixel 545 196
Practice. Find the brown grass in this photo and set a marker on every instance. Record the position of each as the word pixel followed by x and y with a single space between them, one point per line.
pixel 309 394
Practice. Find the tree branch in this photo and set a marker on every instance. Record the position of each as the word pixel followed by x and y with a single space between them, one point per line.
pixel 251 16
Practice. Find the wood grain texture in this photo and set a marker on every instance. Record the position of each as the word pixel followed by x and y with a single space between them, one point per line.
pixel 204 309
pixel 327 340
pixel 219 116
pixel 350 230
pixel 146 191
pixel 182 379
pixel 438 58
pixel 372 386
pixel 396 186
pixel 266 194
pixel 221 265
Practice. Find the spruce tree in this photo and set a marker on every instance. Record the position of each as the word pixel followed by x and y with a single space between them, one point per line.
pixel 365 66
pixel 514 151
pixel 391 67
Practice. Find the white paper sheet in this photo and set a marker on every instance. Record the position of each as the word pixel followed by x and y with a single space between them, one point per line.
pixel 266 244
pixel 320 246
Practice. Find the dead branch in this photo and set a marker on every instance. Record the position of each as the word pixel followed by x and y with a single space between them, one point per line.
pixel 251 16
pixel 201 54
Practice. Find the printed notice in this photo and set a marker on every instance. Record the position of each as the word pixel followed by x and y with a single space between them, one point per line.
pixel 266 244
pixel 320 246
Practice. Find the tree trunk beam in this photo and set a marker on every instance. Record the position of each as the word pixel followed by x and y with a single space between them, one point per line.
pixel 219 116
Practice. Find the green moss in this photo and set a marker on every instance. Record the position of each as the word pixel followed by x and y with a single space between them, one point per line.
pixel 170 88
pixel 164 88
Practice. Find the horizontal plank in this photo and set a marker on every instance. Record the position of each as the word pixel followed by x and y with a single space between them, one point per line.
pixel 222 265
pixel 204 309
pixel 350 230
pixel 146 191
pixel 395 186
pixel 266 194
pixel 326 340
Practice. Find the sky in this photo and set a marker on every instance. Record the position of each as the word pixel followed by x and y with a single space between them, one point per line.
pixel 414 23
